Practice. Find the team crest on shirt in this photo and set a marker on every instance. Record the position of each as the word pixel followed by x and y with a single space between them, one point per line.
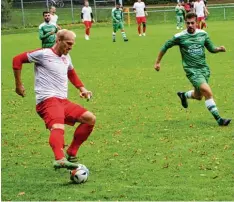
pixel 64 60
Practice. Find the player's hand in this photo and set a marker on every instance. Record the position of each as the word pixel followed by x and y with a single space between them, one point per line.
pixel 117 21
pixel 221 49
pixel 93 21
pixel 85 94
pixel 146 14
pixel 82 20
pixel 51 33
pixel 20 90
pixel 157 66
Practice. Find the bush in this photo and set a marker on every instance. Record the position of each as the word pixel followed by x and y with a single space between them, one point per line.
pixel 6 10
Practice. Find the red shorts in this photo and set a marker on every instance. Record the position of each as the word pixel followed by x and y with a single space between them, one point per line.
pixel 88 24
pixel 199 19
pixel 54 110
pixel 140 19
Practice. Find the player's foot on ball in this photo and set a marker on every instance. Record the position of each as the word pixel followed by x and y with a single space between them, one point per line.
pixel 72 159
pixel 125 40
pixel 64 163
pixel 224 122
pixel 183 99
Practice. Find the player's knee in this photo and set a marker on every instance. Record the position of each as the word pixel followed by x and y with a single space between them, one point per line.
pixel 144 24
pixel 89 118
pixel 57 126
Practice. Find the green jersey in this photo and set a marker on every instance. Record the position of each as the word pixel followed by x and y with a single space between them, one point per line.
pixel 48 40
pixel 192 48
pixel 179 10
pixel 117 15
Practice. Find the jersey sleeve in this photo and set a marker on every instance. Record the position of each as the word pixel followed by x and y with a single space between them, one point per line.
pixel 35 56
pixel 134 6
pixel 82 11
pixel 209 45
pixel 170 43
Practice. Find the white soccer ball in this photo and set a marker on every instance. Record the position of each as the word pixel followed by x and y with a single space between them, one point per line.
pixel 80 174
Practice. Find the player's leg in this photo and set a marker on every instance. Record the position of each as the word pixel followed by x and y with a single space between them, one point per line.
pixel 182 22
pixel 177 22
pixel 211 106
pixel 51 111
pixel 121 27
pixel 144 25
pixel 138 25
pixel 86 23
pixel 203 23
pixel 75 113
pixel 114 32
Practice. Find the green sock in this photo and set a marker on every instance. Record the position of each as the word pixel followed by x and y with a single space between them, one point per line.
pixel 211 106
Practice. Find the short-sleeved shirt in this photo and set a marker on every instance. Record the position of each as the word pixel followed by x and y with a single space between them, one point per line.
pixel 140 9
pixel 51 79
pixel 87 10
pixel 192 48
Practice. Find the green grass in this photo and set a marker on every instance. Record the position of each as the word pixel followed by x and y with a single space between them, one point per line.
pixel 145 145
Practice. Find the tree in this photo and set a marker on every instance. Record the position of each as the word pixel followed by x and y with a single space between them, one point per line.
pixel 6 6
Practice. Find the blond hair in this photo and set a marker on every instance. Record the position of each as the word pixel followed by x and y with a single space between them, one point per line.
pixel 64 34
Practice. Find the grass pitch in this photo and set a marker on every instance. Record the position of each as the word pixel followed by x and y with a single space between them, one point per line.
pixel 145 145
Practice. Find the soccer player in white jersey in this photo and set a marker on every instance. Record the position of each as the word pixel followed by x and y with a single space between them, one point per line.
pixel 87 18
pixel 202 12
pixel 53 16
pixel 140 10
pixel 53 69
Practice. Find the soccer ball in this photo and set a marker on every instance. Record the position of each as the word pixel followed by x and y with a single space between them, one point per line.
pixel 80 174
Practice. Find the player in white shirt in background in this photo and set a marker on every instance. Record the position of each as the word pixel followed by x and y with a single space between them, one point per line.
pixel 202 12
pixel 140 10
pixel 53 16
pixel 87 18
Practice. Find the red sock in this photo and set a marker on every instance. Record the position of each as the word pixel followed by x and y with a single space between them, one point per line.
pixel 56 141
pixel 87 31
pixel 81 134
pixel 139 29
pixel 144 29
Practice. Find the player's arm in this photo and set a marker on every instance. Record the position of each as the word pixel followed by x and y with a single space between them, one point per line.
pixel 91 15
pixel 146 14
pixel 17 64
pixel 42 35
pixel 82 15
pixel 212 48
pixel 134 8
pixel 170 43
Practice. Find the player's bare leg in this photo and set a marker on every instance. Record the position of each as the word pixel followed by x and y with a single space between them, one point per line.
pixel 81 134
pixel 144 28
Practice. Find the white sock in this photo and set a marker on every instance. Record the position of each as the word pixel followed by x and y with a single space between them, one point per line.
pixel 189 94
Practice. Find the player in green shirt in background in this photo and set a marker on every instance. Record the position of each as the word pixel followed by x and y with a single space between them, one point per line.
pixel 192 43
pixel 180 12
pixel 47 31
pixel 117 19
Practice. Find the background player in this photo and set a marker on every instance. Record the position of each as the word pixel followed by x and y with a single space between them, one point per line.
pixel 53 16
pixel 53 69
pixel 87 18
pixel 47 31
pixel 117 20
pixel 140 10
pixel 180 12
pixel 192 43
pixel 201 11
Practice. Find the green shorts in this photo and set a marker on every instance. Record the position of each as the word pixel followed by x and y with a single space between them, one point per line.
pixel 48 45
pixel 198 76
pixel 117 26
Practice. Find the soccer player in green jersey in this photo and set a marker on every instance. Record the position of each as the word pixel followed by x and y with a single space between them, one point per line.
pixel 117 19
pixel 180 12
pixel 192 43
pixel 47 31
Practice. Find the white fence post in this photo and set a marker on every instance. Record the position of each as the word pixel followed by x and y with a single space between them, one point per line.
pixel 224 13
pixel 72 11
pixel 22 9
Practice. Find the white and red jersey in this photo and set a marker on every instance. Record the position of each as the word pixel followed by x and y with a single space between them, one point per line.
pixel 199 8
pixel 87 10
pixel 140 9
